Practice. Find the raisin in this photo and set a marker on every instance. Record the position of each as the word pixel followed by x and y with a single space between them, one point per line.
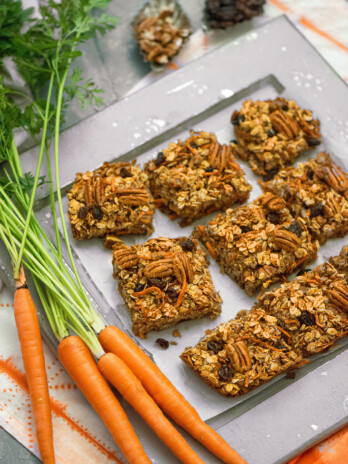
pixel 172 292
pixel 209 169
pixel 310 174
pixel 312 142
pixel 284 349
pixel 125 173
pixel 274 218
pixel 216 346
pixel 285 108
pixel 234 141
pixel 225 373
pixel 307 318
pixel 303 271
pixel 139 287
pixel 154 282
pixel 245 229
pixel 194 145
pixel 160 158
pixel 290 375
pixel 270 174
pixel 97 212
pixel 186 245
pixel 317 210
pixel 271 133
pixel 295 228
pixel 162 343
pixel 238 119
pixel 83 211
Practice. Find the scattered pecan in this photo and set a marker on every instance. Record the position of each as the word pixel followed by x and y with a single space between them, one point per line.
pixel 94 191
pixel 272 202
pixel 286 240
pixel 125 257
pixel 159 268
pixel 239 356
pixel 338 296
pixel 284 124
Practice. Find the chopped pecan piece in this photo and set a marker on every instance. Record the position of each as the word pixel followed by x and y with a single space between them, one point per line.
pixel 239 356
pixel 133 196
pixel 182 267
pixel 272 202
pixel 334 176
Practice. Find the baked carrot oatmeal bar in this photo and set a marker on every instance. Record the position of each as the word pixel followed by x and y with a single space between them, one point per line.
pixel 271 134
pixel 196 177
pixel 259 243
pixel 300 318
pixel 316 191
pixel 164 281
pixel 113 199
pixel 242 354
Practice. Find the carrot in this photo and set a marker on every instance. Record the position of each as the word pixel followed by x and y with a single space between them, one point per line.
pixel 28 330
pixel 165 394
pixel 82 368
pixel 122 378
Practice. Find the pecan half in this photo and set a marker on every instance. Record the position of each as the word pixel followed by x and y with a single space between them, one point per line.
pixel 94 192
pixel 338 296
pixel 159 268
pixel 125 257
pixel 284 124
pixel 334 176
pixel 286 240
pixel 182 267
pixel 133 196
pixel 239 356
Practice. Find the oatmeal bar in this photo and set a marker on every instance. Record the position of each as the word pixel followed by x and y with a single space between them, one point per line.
pixel 197 176
pixel 296 320
pixel 312 309
pixel 242 354
pixel 316 191
pixel 164 281
pixel 341 262
pixel 113 199
pixel 271 134
pixel 259 243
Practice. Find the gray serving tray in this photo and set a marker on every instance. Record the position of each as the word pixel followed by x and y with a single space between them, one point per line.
pixel 278 421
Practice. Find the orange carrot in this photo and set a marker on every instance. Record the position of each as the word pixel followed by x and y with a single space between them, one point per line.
pixel 122 378
pixel 82 368
pixel 165 394
pixel 28 330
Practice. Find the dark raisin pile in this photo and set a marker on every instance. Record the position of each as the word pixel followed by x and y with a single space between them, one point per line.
pixel 303 271
pixel 160 158
pixel 186 245
pixel 307 318
pixel 224 13
pixel 154 282
pixel 83 211
pixel 238 119
pixel 274 217
pixel 125 173
pixel 225 373
pixel 295 228
pixel 97 212
pixel 139 287
pixel 270 174
pixel 317 210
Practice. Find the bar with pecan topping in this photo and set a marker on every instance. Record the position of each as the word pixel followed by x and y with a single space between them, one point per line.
pixel 164 281
pixel 316 191
pixel 197 176
pixel 242 354
pixel 259 243
pixel 113 199
pixel 288 324
pixel 271 134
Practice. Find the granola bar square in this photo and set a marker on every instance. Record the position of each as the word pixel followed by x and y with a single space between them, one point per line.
pixel 242 354
pixel 258 244
pixel 317 192
pixel 311 310
pixel 271 134
pixel 164 281
pixel 113 199
pixel 197 176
